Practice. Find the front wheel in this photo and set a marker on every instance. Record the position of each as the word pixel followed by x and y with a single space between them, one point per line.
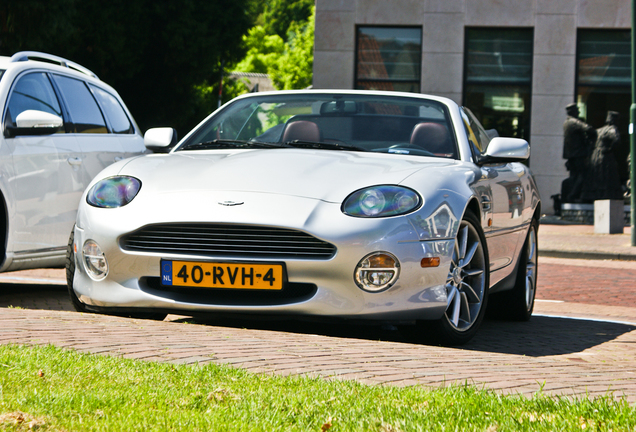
pixel 466 289
pixel 70 274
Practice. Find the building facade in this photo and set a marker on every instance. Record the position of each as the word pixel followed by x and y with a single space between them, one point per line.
pixel 515 63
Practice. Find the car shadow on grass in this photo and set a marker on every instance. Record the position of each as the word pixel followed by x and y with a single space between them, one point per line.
pixel 541 336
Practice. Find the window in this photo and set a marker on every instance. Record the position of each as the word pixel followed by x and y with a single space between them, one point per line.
pixel 116 115
pixel 477 136
pixel 85 114
pixel 498 78
pixel 603 83
pixel 389 58
pixel 33 92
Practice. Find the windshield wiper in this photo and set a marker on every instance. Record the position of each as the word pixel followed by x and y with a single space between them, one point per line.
pixel 324 145
pixel 231 143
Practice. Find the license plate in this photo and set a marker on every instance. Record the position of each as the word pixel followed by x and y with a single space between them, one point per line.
pixel 222 275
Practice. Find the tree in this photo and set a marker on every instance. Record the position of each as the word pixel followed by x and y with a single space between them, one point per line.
pixel 294 69
pixel 263 50
pixel 289 62
pixel 278 15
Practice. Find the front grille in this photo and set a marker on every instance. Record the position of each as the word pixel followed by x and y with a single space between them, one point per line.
pixel 240 241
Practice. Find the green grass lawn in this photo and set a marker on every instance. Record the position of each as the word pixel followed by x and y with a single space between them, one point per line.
pixel 50 389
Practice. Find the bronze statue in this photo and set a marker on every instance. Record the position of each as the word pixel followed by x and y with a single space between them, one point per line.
pixel 578 140
pixel 603 181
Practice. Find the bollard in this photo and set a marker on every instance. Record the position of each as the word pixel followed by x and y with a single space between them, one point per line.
pixel 609 216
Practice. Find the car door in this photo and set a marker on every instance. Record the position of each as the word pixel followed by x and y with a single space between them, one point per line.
pixel 99 147
pixel 46 180
pixel 502 198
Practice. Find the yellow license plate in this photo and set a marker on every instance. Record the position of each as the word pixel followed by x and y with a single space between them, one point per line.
pixel 222 275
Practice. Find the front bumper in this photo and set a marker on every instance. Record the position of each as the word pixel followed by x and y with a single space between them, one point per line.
pixel 315 287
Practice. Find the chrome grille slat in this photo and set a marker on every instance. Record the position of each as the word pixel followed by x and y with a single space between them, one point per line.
pixel 235 241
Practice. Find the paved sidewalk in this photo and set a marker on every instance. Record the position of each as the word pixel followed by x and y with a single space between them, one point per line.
pixel 591 355
pixel 579 241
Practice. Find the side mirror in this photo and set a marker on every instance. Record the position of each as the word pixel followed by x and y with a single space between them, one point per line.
pixel 502 150
pixel 160 140
pixel 34 122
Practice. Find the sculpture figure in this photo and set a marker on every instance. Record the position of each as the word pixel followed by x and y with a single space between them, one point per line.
pixel 578 140
pixel 603 181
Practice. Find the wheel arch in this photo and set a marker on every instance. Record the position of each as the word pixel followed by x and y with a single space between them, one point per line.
pixel 4 230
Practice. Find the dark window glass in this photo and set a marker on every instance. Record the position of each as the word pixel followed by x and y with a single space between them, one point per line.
pixel 85 114
pixel 116 115
pixel 498 78
pixel 33 92
pixel 503 55
pixel 604 58
pixel 603 83
pixel 389 58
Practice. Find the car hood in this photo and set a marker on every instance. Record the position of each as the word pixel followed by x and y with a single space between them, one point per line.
pixel 318 174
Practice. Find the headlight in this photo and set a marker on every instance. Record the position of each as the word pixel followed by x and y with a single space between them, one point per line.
pixel 94 260
pixel 381 201
pixel 377 271
pixel 113 192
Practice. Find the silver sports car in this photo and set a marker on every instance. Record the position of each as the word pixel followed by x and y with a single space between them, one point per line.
pixel 393 207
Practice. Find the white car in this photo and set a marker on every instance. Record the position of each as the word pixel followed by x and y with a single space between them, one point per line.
pixel 355 205
pixel 61 126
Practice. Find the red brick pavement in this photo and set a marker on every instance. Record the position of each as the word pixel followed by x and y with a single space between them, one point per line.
pixel 562 356
pixel 591 282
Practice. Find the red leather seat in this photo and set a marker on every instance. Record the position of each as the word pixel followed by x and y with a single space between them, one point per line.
pixel 302 130
pixel 432 137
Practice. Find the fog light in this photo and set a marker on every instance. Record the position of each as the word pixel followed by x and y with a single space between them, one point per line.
pixel 94 260
pixel 377 271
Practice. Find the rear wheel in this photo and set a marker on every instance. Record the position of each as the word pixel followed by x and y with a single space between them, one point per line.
pixel 517 304
pixel 466 289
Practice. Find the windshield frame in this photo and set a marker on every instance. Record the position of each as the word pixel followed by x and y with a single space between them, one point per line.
pixel 251 106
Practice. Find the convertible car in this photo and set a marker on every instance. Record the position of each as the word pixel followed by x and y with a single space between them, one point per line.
pixel 354 205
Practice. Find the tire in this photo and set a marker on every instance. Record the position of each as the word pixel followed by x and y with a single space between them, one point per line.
pixel 70 274
pixel 81 307
pixel 517 304
pixel 467 289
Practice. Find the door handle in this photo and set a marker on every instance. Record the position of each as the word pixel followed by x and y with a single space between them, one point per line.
pixel 74 161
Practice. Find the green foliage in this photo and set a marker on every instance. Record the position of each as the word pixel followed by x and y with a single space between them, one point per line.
pixel 279 15
pixel 289 63
pixel 263 50
pixel 294 69
pixel 50 389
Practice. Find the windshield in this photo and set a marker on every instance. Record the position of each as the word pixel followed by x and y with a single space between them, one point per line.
pixel 353 122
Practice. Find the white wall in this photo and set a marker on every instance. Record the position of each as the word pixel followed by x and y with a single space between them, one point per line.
pixel 555 24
